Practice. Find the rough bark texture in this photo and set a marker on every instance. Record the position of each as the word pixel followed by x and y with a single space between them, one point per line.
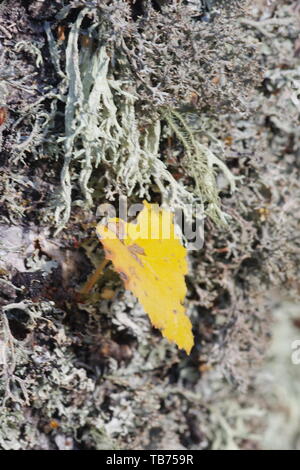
pixel 174 102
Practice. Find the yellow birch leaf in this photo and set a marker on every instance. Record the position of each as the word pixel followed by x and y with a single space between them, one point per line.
pixel 152 263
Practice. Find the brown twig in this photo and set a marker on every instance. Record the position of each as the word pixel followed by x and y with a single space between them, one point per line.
pixel 93 278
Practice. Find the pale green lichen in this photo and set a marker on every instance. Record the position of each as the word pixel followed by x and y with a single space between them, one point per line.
pixel 30 48
pixel 44 380
pixel 102 128
pixel 199 163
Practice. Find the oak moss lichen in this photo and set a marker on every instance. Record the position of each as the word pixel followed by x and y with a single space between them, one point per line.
pixel 182 83
pixel 125 84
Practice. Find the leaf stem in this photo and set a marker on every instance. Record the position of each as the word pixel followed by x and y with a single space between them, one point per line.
pixel 94 278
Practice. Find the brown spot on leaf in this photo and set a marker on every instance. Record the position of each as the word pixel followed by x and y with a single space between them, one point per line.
pixel 107 252
pixel 136 249
pixel 123 276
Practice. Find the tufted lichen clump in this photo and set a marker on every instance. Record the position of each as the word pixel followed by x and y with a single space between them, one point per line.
pixel 126 88
pixel 177 102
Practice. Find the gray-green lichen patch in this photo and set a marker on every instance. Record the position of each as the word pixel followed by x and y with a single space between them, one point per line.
pixel 173 93
pixel 118 95
pixel 45 381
